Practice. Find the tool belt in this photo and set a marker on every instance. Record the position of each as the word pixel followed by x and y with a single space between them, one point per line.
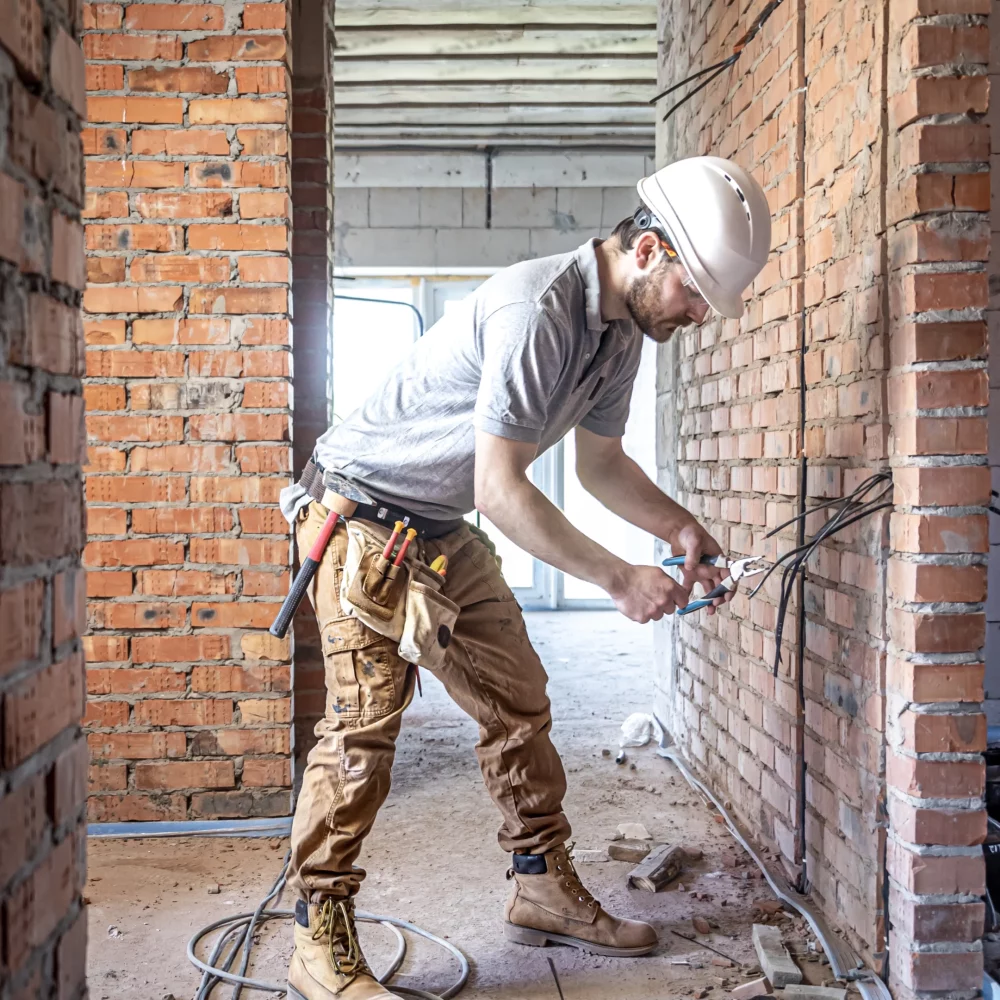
pixel 385 514
pixel 404 603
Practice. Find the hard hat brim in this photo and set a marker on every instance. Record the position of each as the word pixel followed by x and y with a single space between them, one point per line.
pixel 727 304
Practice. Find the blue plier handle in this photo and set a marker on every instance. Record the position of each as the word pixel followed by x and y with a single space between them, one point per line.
pixel 737 570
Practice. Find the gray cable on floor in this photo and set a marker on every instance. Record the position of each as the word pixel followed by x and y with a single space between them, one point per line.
pixel 238 930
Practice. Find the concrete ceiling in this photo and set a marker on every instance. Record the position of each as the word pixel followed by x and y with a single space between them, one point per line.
pixel 477 73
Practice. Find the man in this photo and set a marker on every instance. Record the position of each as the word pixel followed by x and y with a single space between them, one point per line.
pixel 539 349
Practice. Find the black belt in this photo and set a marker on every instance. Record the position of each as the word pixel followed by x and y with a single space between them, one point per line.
pixel 386 514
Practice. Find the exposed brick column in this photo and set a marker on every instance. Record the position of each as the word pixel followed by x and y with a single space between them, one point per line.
pixel 42 753
pixel 939 188
pixel 187 323
pixel 312 286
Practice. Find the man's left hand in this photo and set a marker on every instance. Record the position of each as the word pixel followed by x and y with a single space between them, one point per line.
pixel 693 542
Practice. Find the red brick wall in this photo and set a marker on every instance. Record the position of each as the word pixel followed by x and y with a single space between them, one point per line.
pixel 42 754
pixel 876 200
pixel 188 408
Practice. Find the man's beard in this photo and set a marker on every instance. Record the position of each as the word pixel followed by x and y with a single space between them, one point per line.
pixel 641 300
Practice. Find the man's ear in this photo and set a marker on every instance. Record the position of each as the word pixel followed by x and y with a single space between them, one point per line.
pixel 647 251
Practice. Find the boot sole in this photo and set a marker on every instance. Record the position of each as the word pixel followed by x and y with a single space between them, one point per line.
pixel 540 939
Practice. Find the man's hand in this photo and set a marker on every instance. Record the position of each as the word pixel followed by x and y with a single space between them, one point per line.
pixel 693 541
pixel 646 593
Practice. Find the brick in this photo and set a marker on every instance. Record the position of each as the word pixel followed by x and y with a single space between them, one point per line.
pixel 174 17
pixel 153 110
pixel 931 682
pixel 106 714
pixel 936 922
pixel 238 48
pixel 185 142
pixel 927 874
pixel 220 805
pixel 236 111
pixel 107 778
pixel 178 80
pixel 179 269
pixel 109 584
pixel 21 611
pixel 181 520
pixel 101 648
pixel 936 633
pixel 913 342
pixel 39 707
pixel 237 237
pixel 262 773
pixel 134 48
pixel 196 712
pixel 185 774
pixel 265 711
pixel 135 237
pixel 68 606
pixel 135 808
pixel 183 205
pixel 67 67
pixel 958 828
pixel 265 205
pixel 23 823
pixel 136 746
pixel 136 489
pixel 40 521
pixel 922 778
pixel 263 142
pixel 939 971
pixel 960 486
pixel 236 742
pixel 133 552
pixel 167 332
pixel 179 648
pixel 264 16
pixel 186 583
pixel 776 963
pixel 931 534
pixel 102 16
pixel 924 582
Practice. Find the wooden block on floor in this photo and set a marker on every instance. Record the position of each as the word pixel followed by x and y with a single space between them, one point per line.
pixel 660 867
pixel 803 992
pixel 775 961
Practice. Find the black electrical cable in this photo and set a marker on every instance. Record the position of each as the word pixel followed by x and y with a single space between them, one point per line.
pixel 719 67
pixel 850 509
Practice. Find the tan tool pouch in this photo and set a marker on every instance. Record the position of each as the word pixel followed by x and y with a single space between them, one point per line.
pixel 430 620
pixel 371 589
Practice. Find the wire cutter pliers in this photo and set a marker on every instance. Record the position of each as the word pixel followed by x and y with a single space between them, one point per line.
pixel 750 566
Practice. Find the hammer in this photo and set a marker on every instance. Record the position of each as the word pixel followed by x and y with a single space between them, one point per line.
pixel 341 498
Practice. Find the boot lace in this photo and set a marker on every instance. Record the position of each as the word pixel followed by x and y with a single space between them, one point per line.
pixel 567 870
pixel 336 920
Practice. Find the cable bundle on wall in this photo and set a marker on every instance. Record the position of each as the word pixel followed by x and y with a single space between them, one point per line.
pixel 848 510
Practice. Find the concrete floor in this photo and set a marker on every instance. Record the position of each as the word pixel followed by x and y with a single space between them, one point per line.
pixel 433 858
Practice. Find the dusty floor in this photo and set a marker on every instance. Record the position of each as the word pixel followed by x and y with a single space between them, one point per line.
pixel 433 857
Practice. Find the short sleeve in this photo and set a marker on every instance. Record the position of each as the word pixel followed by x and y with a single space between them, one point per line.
pixel 523 353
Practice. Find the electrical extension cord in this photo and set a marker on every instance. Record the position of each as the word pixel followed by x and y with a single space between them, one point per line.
pixel 237 933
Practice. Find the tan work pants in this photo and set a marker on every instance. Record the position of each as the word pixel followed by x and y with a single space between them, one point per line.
pixel 491 671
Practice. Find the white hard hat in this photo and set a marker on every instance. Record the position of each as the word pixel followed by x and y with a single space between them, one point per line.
pixel 716 217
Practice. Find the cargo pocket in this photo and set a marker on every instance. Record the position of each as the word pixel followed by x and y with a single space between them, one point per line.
pixel 359 671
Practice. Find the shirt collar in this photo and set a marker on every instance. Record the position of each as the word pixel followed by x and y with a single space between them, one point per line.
pixel 586 259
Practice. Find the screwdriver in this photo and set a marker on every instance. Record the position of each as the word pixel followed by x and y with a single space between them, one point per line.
pixel 391 544
pixel 411 533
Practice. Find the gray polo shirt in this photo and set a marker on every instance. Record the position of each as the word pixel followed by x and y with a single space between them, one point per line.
pixel 525 357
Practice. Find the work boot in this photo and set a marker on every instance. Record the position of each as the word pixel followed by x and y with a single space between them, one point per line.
pixel 328 963
pixel 549 905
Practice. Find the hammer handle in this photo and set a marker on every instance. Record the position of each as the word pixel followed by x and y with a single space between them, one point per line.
pixel 304 577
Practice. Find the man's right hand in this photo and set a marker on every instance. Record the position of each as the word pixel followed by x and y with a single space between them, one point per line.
pixel 646 593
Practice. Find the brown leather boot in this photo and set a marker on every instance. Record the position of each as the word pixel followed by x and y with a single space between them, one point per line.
pixel 550 905
pixel 328 963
